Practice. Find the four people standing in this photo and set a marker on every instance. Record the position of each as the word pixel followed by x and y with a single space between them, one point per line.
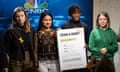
pixel 26 49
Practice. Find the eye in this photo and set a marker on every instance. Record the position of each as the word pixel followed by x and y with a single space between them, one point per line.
pixel 50 19
pixel 22 15
pixel 44 19
pixel 100 19
pixel 17 16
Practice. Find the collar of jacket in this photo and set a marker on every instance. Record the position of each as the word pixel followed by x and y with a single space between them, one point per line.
pixel 73 21
pixel 103 29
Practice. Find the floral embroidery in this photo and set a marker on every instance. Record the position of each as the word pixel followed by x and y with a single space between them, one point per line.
pixel 47 44
pixel 43 32
pixel 51 33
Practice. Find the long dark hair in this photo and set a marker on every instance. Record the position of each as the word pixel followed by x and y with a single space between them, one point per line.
pixel 104 14
pixel 41 18
pixel 105 65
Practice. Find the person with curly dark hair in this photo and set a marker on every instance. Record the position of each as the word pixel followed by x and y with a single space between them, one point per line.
pixel 75 22
pixel 46 44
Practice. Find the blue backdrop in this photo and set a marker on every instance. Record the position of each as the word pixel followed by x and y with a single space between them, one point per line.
pixel 58 8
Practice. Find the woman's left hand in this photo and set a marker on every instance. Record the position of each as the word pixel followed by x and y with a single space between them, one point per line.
pixel 85 46
pixel 5 70
pixel 103 50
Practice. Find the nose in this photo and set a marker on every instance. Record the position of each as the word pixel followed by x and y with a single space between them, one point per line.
pixel 48 21
pixel 103 21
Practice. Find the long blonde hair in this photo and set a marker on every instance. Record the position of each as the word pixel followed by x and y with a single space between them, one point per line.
pixel 26 24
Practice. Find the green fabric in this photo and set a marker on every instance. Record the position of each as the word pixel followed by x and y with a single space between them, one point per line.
pixel 103 38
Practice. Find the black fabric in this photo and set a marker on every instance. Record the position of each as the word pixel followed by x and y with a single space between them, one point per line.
pixel 26 38
pixel 47 45
pixel 3 56
pixel 76 24
pixel 15 48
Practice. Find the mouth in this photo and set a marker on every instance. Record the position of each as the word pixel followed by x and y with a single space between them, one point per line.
pixel 47 24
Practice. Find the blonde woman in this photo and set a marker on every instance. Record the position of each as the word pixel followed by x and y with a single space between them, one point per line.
pixel 19 41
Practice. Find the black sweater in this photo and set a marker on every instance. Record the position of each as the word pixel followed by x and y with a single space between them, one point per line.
pixel 74 24
pixel 3 56
pixel 16 43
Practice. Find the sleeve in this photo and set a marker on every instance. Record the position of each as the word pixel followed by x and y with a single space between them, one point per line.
pixel 66 25
pixel 86 33
pixel 92 42
pixel 55 37
pixel 113 47
pixel 7 39
pixel 36 49
pixel 4 58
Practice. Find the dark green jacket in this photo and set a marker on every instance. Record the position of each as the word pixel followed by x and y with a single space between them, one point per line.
pixel 100 38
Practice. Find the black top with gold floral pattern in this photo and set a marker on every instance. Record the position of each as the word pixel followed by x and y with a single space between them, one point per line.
pixel 47 45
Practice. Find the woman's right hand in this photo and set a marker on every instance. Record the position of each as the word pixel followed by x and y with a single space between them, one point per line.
pixel 38 69
pixel 5 70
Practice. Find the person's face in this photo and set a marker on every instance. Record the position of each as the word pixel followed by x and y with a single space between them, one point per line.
pixel 103 22
pixel 20 18
pixel 76 16
pixel 47 21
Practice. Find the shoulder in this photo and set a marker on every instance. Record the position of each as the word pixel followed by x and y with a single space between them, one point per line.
pixel 83 24
pixel 41 32
pixel 66 25
pixel 112 31
pixel 94 30
pixel 32 30
pixel 9 33
pixel 53 30
pixel 10 30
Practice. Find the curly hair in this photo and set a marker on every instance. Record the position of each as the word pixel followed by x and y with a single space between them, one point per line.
pixel 73 9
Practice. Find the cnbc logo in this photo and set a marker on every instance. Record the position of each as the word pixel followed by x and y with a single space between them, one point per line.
pixel 39 4
pixel 35 7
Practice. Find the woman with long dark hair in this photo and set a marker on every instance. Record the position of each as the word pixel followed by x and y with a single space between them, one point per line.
pixel 45 44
